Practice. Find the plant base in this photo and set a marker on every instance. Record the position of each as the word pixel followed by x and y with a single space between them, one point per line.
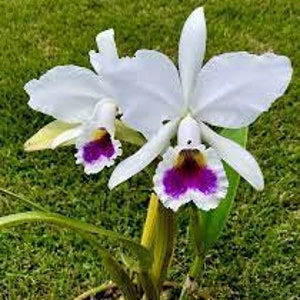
pixel 171 291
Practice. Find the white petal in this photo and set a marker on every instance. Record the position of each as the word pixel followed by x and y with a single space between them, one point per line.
pixel 108 52
pixel 192 50
pixel 148 90
pixel 67 93
pixel 233 89
pixel 144 156
pixel 236 156
pixel 66 136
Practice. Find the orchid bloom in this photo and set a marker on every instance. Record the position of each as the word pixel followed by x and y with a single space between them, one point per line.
pixel 231 90
pixel 79 96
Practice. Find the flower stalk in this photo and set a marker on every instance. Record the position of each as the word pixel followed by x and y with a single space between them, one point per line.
pixel 196 231
pixel 194 277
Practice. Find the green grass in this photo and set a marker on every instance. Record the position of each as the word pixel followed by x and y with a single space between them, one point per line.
pixel 256 256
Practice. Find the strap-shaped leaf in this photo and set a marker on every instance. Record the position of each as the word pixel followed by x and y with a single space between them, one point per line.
pixel 150 289
pixel 143 255
pixel 120 277
pixel 213 221
pixel 44 137
pixel 115 269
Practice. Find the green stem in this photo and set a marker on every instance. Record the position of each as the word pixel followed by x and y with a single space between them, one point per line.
pixel 196 230
pixel 193 279
pixel 196 270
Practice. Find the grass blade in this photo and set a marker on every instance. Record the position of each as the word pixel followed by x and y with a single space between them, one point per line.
pixel 27 202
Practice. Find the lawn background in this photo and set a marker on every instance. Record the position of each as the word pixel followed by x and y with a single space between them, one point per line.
pixel 256 256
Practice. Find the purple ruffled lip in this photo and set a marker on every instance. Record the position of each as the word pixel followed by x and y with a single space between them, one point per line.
pixel 190 173
pixel 98 149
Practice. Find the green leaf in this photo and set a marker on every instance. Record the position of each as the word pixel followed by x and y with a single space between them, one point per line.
pixel 130 263
pixel 151 292
pixel 142 254
pixel 120 277
pixel 44 137
pixel 213 221
pixel 116 271
pixel 126 134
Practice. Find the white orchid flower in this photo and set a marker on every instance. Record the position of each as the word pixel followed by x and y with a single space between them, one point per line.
pixel 231 90
pixel 79 96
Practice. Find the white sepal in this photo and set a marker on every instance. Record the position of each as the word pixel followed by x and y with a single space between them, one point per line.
pixel 192 50
pixel 236 156
pixel 108 53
